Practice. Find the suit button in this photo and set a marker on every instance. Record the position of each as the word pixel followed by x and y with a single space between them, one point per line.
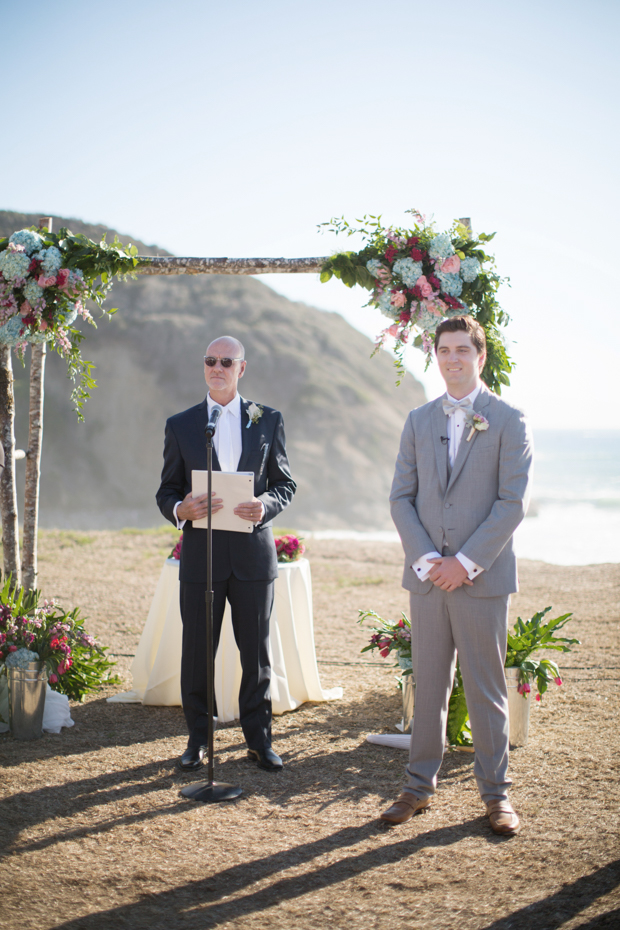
pixel 447 506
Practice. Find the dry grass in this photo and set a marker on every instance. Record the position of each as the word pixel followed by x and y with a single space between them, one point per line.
pixel 94 834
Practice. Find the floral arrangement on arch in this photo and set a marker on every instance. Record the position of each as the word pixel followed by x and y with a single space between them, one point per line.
pixel 31 631
pixel 45 281
pixel 419 277
pixel 289 548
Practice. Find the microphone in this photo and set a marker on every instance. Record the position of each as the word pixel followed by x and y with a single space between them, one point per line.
pixel 214 416
pixel 444 440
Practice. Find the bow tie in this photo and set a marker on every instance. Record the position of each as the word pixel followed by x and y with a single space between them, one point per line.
pixel 451 406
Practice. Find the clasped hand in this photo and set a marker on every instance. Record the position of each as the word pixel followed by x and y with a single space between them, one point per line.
pixel 448 573
pixel 196 508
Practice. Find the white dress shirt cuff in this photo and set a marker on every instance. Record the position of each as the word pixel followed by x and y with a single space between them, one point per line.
pixel 180 523
pixel 470 567
pixel 422 566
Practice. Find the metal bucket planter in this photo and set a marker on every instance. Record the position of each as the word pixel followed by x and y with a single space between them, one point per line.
pixel 27 687
pixel 408 703
pixel 518 709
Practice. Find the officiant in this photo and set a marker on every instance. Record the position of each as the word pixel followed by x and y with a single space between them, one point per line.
pixel 249 438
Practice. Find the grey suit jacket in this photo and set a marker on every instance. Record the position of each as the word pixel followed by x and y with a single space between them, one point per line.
pixel 476 508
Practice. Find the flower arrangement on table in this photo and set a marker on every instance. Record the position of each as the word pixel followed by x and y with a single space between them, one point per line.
pixel 31 631
pixel 529 636
pixel 45 281
pixel 289 548
pixel 418 277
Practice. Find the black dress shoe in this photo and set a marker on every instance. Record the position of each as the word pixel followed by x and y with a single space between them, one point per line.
pixel 191 758
pixel 266 758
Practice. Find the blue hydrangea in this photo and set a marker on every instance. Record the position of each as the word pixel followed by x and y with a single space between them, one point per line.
pixel 31 241
pixel 68 316
pixel 14 265
pixel 10 333
pixel 385 305
pixel 373 265
pixel 408 270
pixel 21 658
pixel 470 269
pixel 441 246
pixel 52 259
pixel 32 292
pixel 450 283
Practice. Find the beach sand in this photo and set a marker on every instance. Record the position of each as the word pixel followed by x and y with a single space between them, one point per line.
pixel 93 833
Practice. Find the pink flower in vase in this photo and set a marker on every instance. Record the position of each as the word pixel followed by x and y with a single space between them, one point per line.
pixel 384 652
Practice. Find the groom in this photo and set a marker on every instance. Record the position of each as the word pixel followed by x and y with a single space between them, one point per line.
pixel 249 437
pixel 459 493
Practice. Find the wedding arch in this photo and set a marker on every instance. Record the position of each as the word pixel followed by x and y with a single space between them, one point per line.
pixel 416 278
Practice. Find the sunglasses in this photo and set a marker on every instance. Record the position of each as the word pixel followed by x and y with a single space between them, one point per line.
pixel 211 361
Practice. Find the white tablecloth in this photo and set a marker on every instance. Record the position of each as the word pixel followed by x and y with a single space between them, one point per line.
pixel 156 667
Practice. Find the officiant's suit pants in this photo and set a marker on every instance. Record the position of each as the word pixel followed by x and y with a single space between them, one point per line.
pixel 441 624
pixel 251 603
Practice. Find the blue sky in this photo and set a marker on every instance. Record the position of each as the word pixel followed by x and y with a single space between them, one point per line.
pixel 235 129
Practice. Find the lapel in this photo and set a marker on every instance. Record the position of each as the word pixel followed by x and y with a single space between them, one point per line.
pixel 202 417
pixel 247 436
pixel 480 403
pixel 439 427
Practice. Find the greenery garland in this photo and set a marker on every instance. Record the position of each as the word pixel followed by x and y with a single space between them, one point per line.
pixel 45 280
pixel 419 277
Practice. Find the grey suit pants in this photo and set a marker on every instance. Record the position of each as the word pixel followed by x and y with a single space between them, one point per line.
pixel 443 623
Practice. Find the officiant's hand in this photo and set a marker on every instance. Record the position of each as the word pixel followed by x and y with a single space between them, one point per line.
pixel 448 573
pixel 195 508
pixel 253 510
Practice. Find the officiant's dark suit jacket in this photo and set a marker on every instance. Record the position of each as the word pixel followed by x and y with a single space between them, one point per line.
pixel 247 556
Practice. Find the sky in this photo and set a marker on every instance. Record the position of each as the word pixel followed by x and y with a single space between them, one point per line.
pixel 234 129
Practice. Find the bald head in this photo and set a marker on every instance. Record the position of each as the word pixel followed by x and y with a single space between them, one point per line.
pixel 226 346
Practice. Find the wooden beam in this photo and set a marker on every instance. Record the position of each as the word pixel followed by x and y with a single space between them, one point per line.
pixel 165 265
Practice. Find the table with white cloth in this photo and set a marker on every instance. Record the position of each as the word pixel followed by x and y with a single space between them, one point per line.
pixel 156 668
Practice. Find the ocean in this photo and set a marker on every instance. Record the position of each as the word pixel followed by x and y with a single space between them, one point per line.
pixel 574 516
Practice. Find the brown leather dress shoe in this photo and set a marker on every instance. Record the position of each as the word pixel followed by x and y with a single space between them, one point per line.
pixel 503 819
pixel 405 807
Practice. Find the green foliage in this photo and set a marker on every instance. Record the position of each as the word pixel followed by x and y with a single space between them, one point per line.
pixel 412 311
pixel 458 729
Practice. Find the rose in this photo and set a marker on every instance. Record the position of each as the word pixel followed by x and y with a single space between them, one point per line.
pixel 62 277
pixel 25 309
pixel 393 330
pixel 42 281
pixel 390 253
pixel 425 288
pixel 398 299
pixel 53 679
pixel 451 265
pixel 418 255
pixel 12 648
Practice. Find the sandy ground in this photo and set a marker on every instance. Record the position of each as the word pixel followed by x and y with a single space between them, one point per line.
pixel 94 834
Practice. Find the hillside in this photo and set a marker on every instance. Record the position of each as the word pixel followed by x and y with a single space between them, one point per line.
pixel 342 411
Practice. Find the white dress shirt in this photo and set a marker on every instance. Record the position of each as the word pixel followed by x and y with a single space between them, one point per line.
pixel 226 442
pixel 454 429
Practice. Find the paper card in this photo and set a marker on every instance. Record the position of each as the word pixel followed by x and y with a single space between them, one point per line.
pixel 234 487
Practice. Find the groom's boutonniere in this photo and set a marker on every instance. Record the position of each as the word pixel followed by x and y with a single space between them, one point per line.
pixel 255 412
pixel 477 422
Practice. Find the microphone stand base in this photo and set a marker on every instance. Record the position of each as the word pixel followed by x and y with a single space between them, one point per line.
pixel 211 792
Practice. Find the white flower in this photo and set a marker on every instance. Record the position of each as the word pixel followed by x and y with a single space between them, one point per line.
pixel 255 413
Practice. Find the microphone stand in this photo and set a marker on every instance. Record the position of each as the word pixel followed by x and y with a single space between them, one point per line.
pixel 210 791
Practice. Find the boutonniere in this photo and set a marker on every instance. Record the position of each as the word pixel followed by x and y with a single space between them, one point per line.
pixel 255 412
pixel 477 422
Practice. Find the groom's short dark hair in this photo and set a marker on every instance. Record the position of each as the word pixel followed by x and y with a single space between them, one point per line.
pixel 465 324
